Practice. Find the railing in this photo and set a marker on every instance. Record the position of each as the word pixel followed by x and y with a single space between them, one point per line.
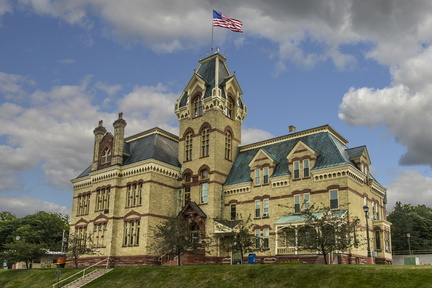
pixel 412 252
pixel 83 271
pixel 293 250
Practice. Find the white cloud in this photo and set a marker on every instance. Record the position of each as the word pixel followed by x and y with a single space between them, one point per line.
pixel 56 131
pixel 404 108
pixel 23 206
pixel 410 187
pixel 252 135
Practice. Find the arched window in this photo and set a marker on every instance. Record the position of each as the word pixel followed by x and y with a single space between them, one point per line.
pixel 229 108
pixel 106 156
pixel 205 137
pixel 228 141
pixel 188 147
pixel 197 106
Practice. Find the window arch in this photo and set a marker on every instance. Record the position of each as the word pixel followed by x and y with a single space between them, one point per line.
pixel 205 141
pixel 197 106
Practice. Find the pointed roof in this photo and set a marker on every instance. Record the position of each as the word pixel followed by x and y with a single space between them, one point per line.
pixel 194 208
pixel 214 72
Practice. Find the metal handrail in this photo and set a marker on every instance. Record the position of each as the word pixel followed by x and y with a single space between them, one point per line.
pixel 412 252
pixel 83 271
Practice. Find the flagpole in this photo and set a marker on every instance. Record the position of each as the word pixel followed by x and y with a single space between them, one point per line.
pixel 212 36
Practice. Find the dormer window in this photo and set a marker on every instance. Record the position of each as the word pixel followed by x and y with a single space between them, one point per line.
pixel 306 168
pixel 106 156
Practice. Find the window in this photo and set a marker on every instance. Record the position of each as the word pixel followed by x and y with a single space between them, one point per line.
pixel 187 177
pixel 265 175
pixel 187 194
pixel 197 106
pixel 296 169
pixel 233 211
pixel 266 208
pixel 102 199
pixel 387 241
pixel 266 234
pixel 257 238
pixel 306 199
pixel 194 233
pixel 131 233
pixel 257 208
pixel 257 176
pixel 204 174
pixel 205 142
pixel 81 234
pixel 306 168
pixel 99 234
pixel 228 140
pixel 134 195
pixel 83 204
pixel 229 108
pixel 297 203
pixel 188 147
pixel 204 192
pixel 377 240
pixel 106 156
pixel 334 202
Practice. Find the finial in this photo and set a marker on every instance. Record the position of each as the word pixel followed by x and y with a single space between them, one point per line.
pixel 120 115
pixel 100 123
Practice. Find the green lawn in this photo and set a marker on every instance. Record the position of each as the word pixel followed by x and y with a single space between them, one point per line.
pixel 271 275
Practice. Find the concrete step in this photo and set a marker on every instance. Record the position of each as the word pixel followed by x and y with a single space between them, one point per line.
pixel 80 282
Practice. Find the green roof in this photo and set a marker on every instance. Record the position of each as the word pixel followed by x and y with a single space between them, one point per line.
pixel 331 152
pixel 300 217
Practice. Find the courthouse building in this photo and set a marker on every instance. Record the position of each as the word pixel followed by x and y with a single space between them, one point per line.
pixel 204 175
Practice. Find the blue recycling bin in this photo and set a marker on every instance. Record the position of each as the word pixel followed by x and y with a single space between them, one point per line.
pixel 252 258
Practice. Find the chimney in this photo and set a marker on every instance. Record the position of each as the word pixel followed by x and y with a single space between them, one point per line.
pixel 99 133
pixel 291 129
pixel 119 127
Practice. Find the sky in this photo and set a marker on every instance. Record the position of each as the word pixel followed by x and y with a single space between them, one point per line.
pixel 363 67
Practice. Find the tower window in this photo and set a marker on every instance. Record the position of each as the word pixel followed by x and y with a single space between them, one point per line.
pixel 205 136
pixel 228 140
pixel 188 147
pixel 229 108
pixel 197 106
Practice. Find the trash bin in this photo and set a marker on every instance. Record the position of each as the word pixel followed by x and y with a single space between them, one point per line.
pixel 252 258
pixel 61 262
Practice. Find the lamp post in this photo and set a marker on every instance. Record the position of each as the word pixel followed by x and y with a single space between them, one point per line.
pixel 366 210
pixel 409 244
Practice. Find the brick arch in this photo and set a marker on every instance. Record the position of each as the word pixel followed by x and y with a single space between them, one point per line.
pixel 205 125
pixel 187 131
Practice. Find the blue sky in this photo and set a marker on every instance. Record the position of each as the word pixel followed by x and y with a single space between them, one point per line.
pixel 362 67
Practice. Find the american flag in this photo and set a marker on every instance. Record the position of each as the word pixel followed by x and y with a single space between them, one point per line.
pixel 221 20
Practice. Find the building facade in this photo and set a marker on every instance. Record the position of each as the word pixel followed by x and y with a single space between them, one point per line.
pixel 204 174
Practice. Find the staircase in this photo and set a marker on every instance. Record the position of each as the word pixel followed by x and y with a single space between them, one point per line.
pixel 80 282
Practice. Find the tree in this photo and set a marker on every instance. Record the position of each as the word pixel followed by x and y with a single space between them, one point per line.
pixel 21 251
pixel 324 230
pixel 79 246
pixel 239 238
pixel 415 220
pixel 175 235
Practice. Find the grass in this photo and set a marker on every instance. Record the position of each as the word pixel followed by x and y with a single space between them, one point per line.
pixel 34 278
pixel 271 275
